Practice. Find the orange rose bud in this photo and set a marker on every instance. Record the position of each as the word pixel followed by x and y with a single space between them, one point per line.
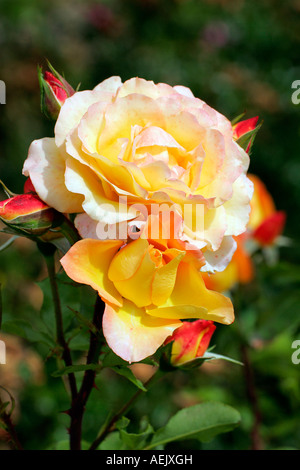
pixel 54 92
pixel 270 229
pixel 265 223
pixel 190 341
pixel 27 213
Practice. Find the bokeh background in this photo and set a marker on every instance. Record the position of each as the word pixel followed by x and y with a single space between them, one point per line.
pixel 238 56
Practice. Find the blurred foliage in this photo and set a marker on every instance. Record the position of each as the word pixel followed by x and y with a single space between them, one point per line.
pixel 237 56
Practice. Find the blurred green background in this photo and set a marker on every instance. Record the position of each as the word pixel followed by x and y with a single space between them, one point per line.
pixel 238 56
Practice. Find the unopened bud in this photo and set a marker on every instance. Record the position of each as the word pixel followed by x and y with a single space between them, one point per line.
pixel 26 213
pixel 190 341
pixel 54 92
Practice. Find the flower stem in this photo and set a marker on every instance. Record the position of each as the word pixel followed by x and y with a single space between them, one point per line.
pixel 256 440
pixel 69 231
pixel 48 251
pixel 78 405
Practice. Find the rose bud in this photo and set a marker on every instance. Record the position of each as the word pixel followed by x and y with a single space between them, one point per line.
pixel 54 92
pixel 28 186
pixel 265 223
pixel 190 341
pixel 267 232
pixel 245 131
pixel 26 213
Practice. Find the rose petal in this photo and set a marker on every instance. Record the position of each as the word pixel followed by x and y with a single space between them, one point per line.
pixel 46 167
pixel 134 335
pixel 191 299
pixel 87 262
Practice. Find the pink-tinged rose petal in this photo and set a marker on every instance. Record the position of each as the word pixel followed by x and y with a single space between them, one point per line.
pixel 46 166
pixel 74 109
pixel 132 334
pixel 110 85
pixel 237 216
pixel 218 260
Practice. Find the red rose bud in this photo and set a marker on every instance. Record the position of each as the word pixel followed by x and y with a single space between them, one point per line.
pixel 190 341
pixel 243 127
pixel 270 229
pixel 27 214
pixel 245 131
pixel 28 186
pixel 54 92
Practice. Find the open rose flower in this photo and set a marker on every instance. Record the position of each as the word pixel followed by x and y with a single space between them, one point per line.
pixel 148 286
pixel 239 270
pixel 148 143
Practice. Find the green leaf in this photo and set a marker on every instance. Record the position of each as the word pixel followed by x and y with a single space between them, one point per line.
pixel 208 356
pixel 122 423
pixel 112 442
pixel 237 119
pixel 84 322
pixel 8 193
pixel 111 360
pixel 129 375
pixel 136 441
pixel 14 328
pixel 36 333
pixel 76 368
pixel 202 422
pixel 65 445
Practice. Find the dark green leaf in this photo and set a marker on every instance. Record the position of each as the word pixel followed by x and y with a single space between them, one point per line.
pixel 128 374
pixel 74 369
pixel 202 422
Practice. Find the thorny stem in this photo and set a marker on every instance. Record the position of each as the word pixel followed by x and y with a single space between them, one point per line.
pixel 256 439
pixel 48 252
pixel 78 405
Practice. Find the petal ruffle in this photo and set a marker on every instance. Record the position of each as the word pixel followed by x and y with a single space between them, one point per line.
pixel 46 166
pixel 191 299
pixel 133 334
pixel 87 262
